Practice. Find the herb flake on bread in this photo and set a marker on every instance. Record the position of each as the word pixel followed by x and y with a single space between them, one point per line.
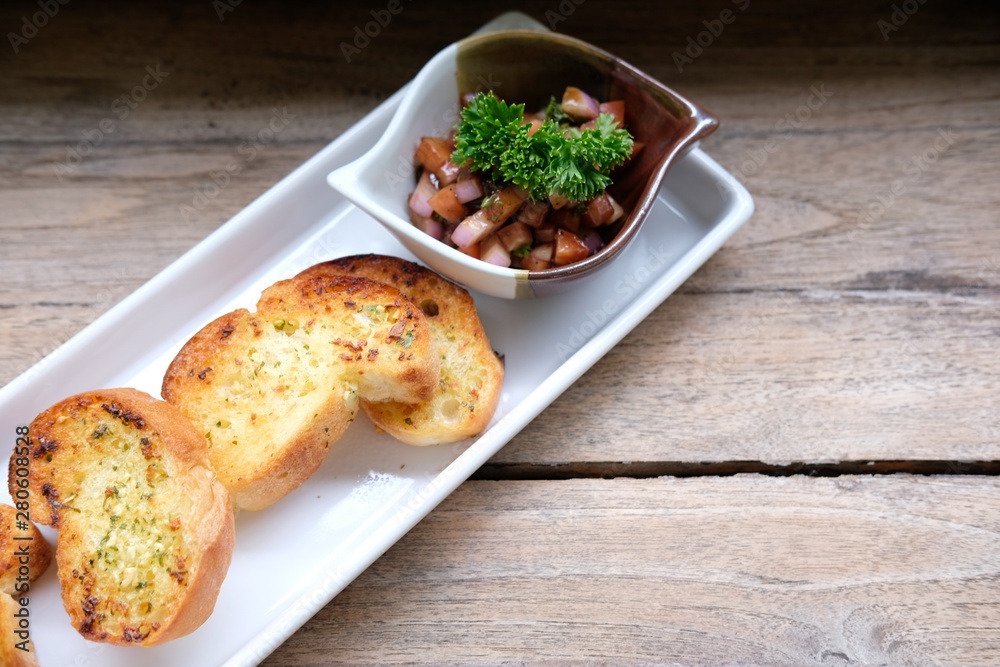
pixel 272 390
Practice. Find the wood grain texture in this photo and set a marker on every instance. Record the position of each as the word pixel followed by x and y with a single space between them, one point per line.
pixel 828 331
pixel 742 570
pixel 814 375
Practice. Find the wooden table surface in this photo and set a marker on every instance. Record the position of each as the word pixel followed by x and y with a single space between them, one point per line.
pixel 792 461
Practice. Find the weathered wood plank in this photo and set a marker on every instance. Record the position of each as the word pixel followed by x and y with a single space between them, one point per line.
pixel 816 375
pixel 741 570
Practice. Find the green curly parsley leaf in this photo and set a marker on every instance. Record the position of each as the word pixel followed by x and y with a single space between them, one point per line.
pixel 574 163
pixel 488 125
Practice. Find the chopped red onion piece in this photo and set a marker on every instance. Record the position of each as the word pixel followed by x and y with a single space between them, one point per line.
pixel 579 105
pixel 431 227
pixel 467 190
pixel 474 228
pixel 419 200
pixel 493 252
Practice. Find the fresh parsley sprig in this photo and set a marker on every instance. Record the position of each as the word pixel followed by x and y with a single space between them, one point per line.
pixel 574 163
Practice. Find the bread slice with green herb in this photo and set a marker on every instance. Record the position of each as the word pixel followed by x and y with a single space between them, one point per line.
pixel 24 553
pixel 471 373
pixel 145 528
pixel 273 389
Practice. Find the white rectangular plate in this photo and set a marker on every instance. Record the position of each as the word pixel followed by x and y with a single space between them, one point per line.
pixel 292 558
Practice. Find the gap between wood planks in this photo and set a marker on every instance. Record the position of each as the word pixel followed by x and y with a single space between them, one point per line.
pixel 649 469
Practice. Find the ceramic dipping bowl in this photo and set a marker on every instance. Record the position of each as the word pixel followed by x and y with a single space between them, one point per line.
pixel 522 66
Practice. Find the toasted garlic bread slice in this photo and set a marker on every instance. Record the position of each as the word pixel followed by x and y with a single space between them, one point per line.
pixel 24 556
pixel 471 373
pixel 24 553
pixel 16 649
pixel 145 528
pixel 272 390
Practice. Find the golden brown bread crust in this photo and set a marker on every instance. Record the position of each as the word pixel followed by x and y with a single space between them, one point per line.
pixel 14 542
pixel 126 587
pixel 10 654
pixel 273 389
pixel 471 374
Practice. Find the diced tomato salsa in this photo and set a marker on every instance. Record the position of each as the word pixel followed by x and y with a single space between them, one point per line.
pixel 499 223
